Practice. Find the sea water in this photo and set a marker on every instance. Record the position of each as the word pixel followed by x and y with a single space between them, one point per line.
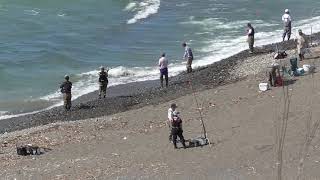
pixel 41 41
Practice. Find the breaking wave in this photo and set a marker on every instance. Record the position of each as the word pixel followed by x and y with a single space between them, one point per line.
pixel 215 50
pixel 143 9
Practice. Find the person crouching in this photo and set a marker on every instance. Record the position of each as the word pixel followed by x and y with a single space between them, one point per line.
pixel 176 130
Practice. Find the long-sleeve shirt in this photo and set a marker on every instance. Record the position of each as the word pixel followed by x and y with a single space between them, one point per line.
pixel 188 53
pixel 66 87
pixel 286 19
pixel 103 77
pixel 250 31
pixel 302 41
pixel 170 114
pixel 163 63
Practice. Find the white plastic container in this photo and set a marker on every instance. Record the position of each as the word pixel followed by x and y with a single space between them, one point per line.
pixel 306 67
pixel 263 86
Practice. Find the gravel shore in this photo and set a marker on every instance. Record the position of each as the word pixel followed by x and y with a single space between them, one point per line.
pixel 241 122
pixel 135 95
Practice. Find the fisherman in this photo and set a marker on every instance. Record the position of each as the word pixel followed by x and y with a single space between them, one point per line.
pixel 176 130
pixel 188 55
pixel 103 82
pixel 171 111
pixel 302 44
pixel 250 34
pixel 66 87
pixel 286 19
pixel 163 66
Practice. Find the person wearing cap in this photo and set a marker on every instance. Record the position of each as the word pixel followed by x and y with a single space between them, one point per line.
pixel 188 55
pixel 171 110
pixel 302 44
pixel 66 87
pixel 103 82
pixel 176 130
pixel 286 19
pixel 250 34
pixel 163 66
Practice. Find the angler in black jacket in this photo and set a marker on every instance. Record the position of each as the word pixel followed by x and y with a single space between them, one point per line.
pixel 176 130
pixel 103 82
pixel 66 87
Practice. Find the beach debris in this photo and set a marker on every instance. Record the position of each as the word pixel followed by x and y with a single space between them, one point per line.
pixel 115 154
pixel 28 149
pixel 263 87
pixel 212 104
pixel 5 144
pixel 124 138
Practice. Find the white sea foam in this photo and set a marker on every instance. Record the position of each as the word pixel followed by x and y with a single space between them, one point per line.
pixel 32 12
pixel 131 6
pixel 215 50
pixel 143 10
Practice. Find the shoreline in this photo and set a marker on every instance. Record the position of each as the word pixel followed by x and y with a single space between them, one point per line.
pixel 139 94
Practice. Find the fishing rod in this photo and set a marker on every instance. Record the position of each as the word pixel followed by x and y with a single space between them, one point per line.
pixel 200 112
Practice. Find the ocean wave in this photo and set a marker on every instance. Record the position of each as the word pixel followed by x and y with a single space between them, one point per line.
pixel 216 23
pixel 131 6
pixel 143 10
pixel 32 12
pixel 215 50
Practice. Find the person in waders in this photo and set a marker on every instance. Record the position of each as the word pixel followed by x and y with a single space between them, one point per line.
pixel 163 66
pixel 66 87
pixel 286 19
pixel 176 130
pixel 188 55
pixel 103 82
pixel 250 34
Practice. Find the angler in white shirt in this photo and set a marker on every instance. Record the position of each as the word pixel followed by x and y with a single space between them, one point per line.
pixel 171 111
pixel 286 19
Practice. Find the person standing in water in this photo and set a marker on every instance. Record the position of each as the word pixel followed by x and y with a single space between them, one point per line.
pixel 66 87
pixel 188 55
pixel 163 66
pixel 286 19
pixel 103 82
pixel 250 34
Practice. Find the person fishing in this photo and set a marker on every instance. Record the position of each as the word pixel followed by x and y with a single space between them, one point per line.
pixel 103 82
pixel 171 110
pixel 286 19
pixel 250 34
pixel 66 87
pixel 176 130
pixel 188 55
pixel 163 66
pixel 302 44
